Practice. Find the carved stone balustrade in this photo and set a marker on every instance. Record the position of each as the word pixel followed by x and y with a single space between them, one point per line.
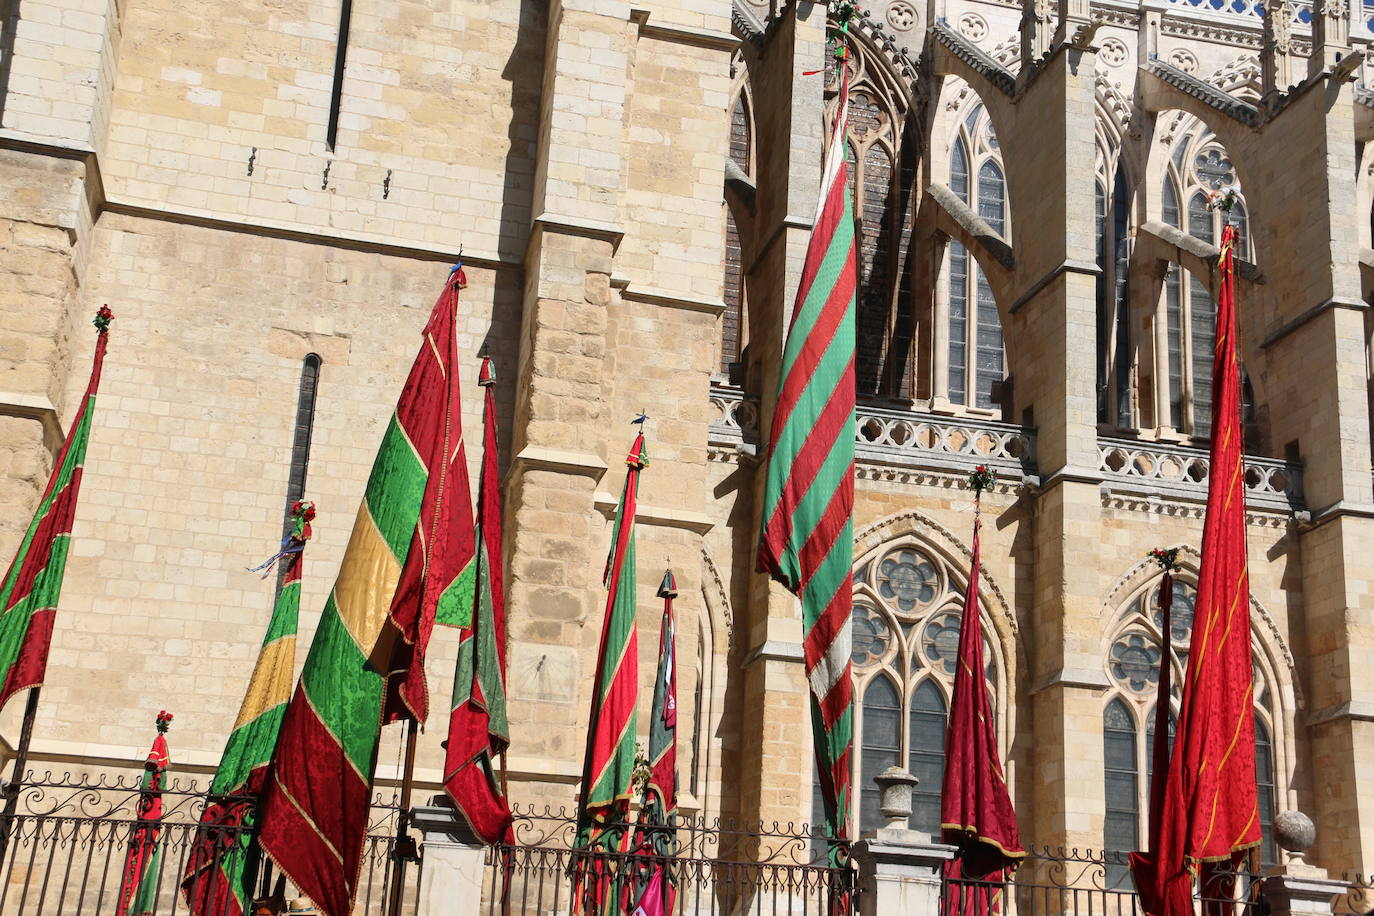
pixel 896 444
pixel 1179 474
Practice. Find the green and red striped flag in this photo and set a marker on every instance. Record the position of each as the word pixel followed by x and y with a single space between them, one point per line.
pixel 608 770
pixel 411 551
pixel 807 539
pixel 477 727
pixel 142 873
pixel 653 887
pixel 223 861
pixel 29 593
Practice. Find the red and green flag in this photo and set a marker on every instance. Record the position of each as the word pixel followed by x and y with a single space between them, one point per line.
pixel 223 860
pixel 1142 862
pixel 807 539
pixel 31 587
pixel 1210 807
pixel 478 730
pixel 609 766
pixel 143 859
pixel 655 841
pixel 410 554
pixel 976 813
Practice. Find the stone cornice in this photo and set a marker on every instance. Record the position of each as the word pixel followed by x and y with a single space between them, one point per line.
pixel 1227 104
pixel 995 74
pixel 681 34
pixel 33 407
pixel 582 464
pixel 1288 327
pixel 668 299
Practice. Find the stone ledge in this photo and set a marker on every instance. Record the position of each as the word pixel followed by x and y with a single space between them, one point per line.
pixel 658 516
pixel 535 457
pixel 775 650
pixel 33 407
pixel 682 34
pixel 667 299
pixel 574 225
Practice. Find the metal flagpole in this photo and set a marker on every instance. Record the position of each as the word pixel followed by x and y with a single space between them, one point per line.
pixel 21 759
pixel 403 847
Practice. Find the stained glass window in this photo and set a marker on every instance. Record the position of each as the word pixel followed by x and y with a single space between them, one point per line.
pixel 1132 663
pixel 908 609
pixel 973 325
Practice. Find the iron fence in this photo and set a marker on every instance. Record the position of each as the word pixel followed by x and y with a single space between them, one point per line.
pixel 1073 882
pixel 71 835
pixel 714 868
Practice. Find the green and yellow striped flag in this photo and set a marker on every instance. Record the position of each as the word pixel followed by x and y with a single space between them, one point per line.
pixel 411 551
pixel 222 864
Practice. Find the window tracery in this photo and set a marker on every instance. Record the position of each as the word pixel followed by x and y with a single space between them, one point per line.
pixel 1113 207
pixel 734 330
pixel 975 355
pixel 883 149
pixel 1132 663
pixel 1199 165
pixel 908 604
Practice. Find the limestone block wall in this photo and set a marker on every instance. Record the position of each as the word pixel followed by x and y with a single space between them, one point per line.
pixel 443 100
pixel 186 473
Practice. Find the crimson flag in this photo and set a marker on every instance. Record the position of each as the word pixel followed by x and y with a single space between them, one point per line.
pixel 1210 808
pixel 975 807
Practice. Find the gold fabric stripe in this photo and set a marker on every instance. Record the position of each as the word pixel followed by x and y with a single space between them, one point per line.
pixel 367 580
pixel 271 682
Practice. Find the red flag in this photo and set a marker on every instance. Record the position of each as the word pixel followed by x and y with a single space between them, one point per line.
pixel 1210 806
pixel 653 887
pixel 478 729
pixel 439 571
pixel 975 808
pixel 1141 866
pixel 138 886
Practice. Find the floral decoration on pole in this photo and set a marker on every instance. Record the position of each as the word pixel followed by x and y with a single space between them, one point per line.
pixel 1222 199
pixel 103 317
pixel 1166 558
pixel 981 479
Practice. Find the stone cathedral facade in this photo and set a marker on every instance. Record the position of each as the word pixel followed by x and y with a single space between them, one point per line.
pixel 269 196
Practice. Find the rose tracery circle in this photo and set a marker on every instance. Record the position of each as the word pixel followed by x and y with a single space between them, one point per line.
pixel 908 578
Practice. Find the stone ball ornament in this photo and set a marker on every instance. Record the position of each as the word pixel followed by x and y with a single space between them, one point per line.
pixel 1294 832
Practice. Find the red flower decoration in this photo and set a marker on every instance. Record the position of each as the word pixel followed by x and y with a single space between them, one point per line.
pixel 981 479
pixel 103 317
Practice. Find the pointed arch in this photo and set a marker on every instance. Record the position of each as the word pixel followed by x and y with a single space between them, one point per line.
pixel 1133 645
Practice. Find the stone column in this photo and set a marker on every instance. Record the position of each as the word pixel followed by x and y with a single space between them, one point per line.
pixel 899 868
pixel 1054 303
pixel 451 882
pixel 1296 888
pixel 1303 339
pixel 558 436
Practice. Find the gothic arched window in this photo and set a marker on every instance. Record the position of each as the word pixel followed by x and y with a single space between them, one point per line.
pixel 1198 167
pixel 734 330
pixel 882 150
pixel 1128 719
pixel 908 603
pixel 975 356
pixel 1113 203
